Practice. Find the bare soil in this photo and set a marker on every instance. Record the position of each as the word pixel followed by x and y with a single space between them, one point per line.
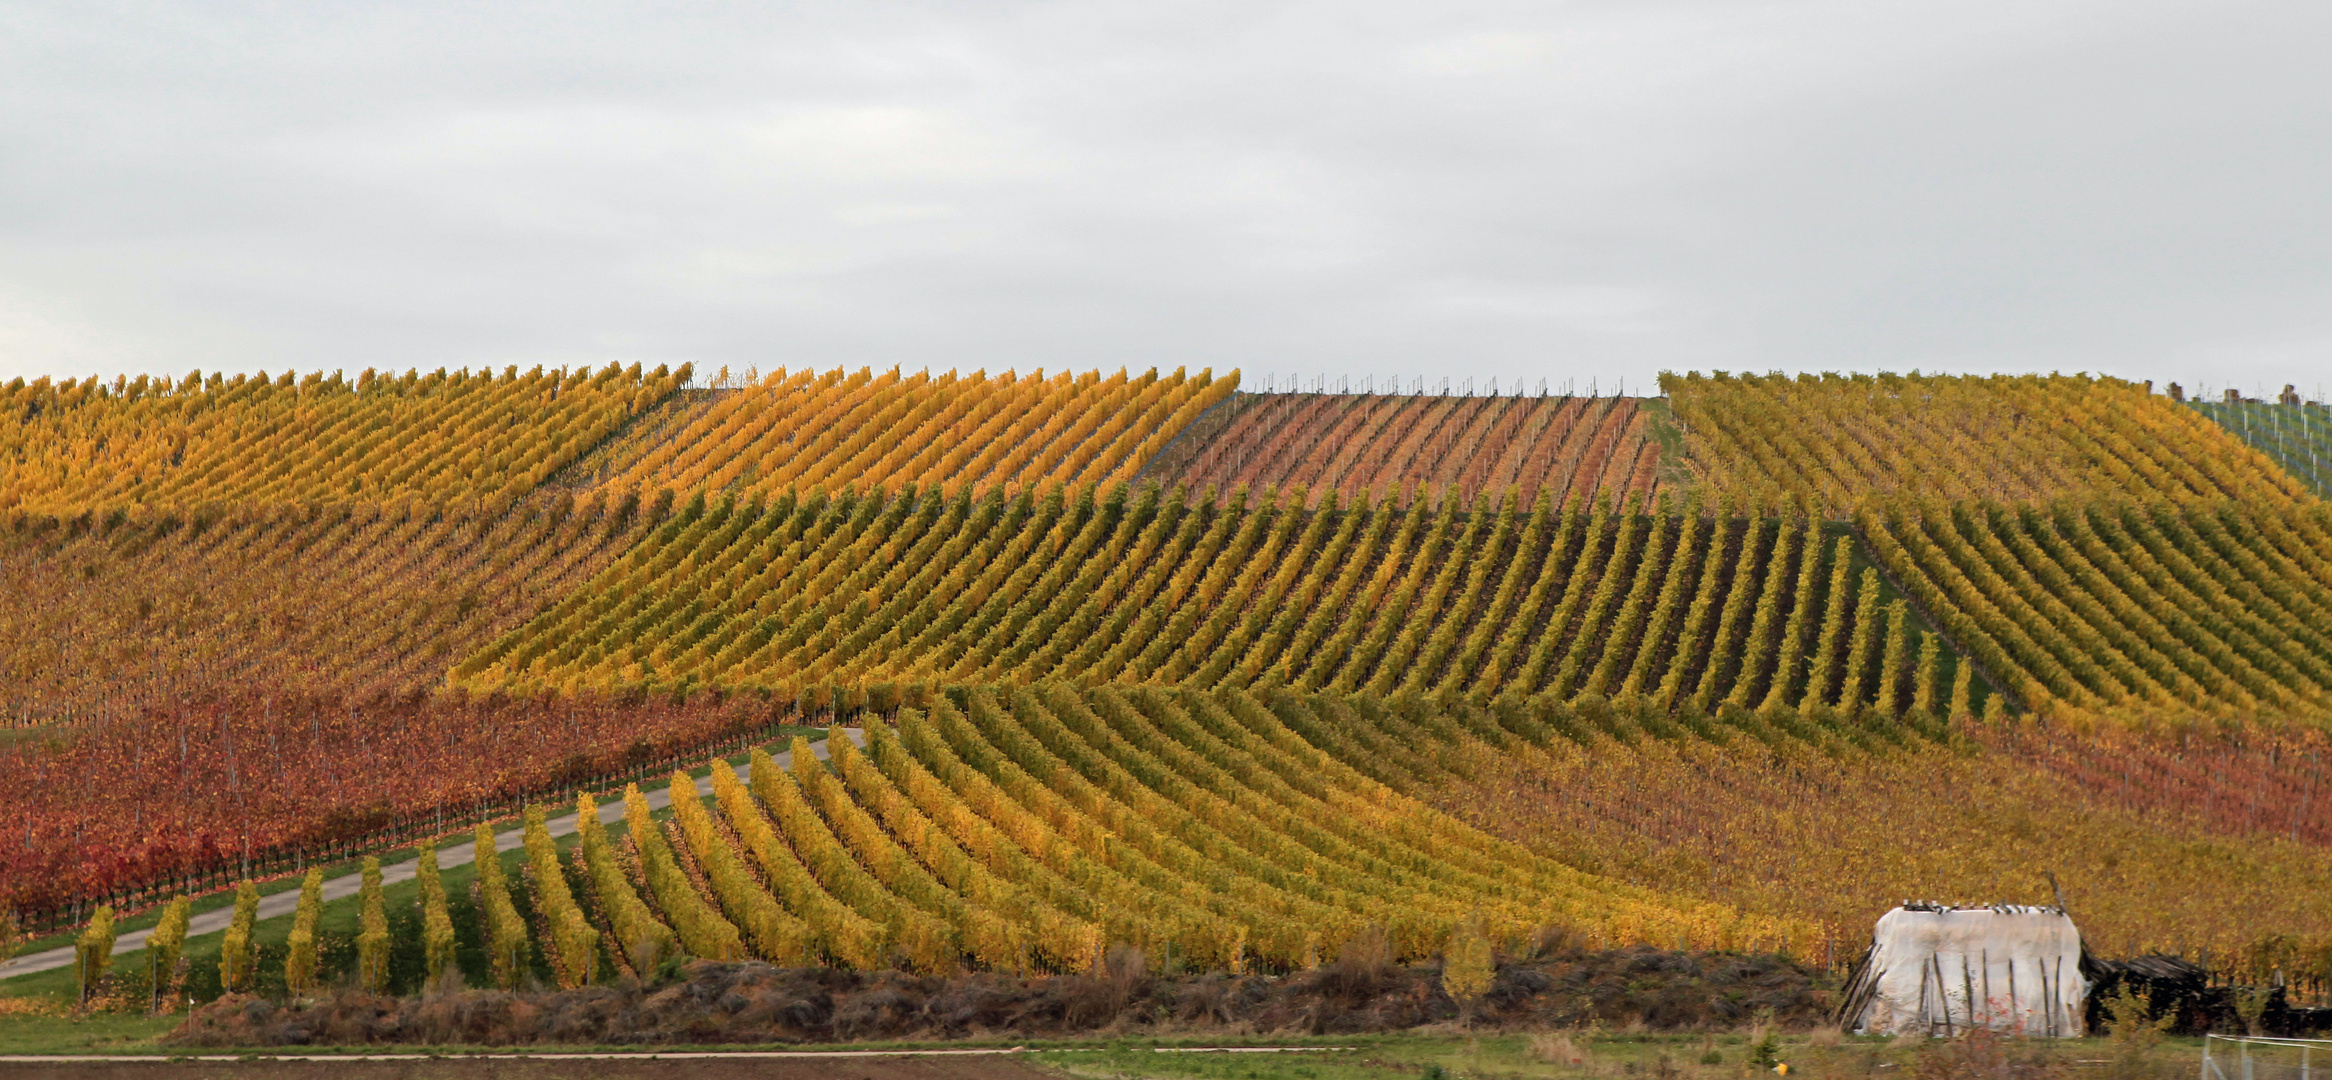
pixel 989 1067
pixel 755 1003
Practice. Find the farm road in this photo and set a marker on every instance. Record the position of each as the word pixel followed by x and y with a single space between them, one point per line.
pixel 284 903
pixel 996 1065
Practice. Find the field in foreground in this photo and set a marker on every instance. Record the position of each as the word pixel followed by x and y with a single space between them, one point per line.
pixel 1713 1055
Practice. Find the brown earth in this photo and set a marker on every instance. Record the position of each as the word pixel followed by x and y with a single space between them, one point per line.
pixel 753 1002
pixel 962 1067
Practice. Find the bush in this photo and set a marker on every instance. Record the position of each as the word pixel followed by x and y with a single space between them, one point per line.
pixel 164 947
pixel 93 952
pixel 299 964
pixel 238 958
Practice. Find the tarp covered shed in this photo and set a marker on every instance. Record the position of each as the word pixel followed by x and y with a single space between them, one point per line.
pixel 1935 969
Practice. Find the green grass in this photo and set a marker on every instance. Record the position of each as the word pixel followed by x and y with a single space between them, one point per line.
pixel 110 1033
pixel 1566 1054
pixel 1376 1057
pixel 1581 1053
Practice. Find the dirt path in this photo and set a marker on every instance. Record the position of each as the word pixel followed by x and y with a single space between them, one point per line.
pixel 953 1066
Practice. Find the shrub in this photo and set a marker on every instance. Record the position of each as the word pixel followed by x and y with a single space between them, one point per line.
pixel 164 947
pixel 238 957
pixel 299 962
pixel 372 936
pixel 93 952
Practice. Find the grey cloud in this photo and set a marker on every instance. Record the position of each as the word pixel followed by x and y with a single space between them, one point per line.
pixel 1561 191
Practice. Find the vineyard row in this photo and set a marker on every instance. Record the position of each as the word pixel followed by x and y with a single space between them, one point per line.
pixel 120 613
pixel 2298 435
pixel 2156 836
pixel 436 438
pixel 850 595
pixel 1033 828
pixel 1832 443
pixel 1568 447
pixel 2127 610
pixel 808 430
pixel 1026 827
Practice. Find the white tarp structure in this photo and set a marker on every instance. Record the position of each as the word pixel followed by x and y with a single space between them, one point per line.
pixel 1939 970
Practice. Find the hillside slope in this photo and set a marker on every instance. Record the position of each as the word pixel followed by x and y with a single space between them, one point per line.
pixel 1643 669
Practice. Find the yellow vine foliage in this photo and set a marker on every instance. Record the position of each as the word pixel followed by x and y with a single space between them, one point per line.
pixel 1839 441
pixel 2108 609
pixel 803 430
pixel 865 594
pixel 1804 822
pixel 433 438
pixel 1042 824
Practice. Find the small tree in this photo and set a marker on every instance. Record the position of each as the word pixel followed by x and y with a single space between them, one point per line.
pixel 505 932
pixel 1467 966
pixel 299 962
pixel 93 952
pixel 164 947
pixel 1764 1040
pixel 238 960
pixel 2132 1030
pixel 437 938
pixel 2251 1007
pixel 574 945
pixel 372 934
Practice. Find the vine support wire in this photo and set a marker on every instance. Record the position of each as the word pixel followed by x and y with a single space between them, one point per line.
pixel 2308 437
pixel 2248 1065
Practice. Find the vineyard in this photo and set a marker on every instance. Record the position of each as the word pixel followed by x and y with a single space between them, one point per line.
pixel 282 778
pixel 853 598
pixel 1563 448
pixel 138 611
pixel 85 446
pixel 2297 434
pixel 1772 815
pixel 1837 443
pixel 1144 660
pixel 2137 611
pixel 1036 828
pixel 864 431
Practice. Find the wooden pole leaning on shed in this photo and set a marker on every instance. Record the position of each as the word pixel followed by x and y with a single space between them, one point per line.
pixel 2056 1002
pixel 2015 1011
pixel 1968 984
pixel 1926 1007
pixel 2048 1000
pixel 1942 992
pixel 1987 957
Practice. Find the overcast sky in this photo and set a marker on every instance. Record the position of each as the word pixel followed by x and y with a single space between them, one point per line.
pixel 1567 191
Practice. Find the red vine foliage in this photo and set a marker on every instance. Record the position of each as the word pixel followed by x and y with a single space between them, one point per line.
pixel 192 789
